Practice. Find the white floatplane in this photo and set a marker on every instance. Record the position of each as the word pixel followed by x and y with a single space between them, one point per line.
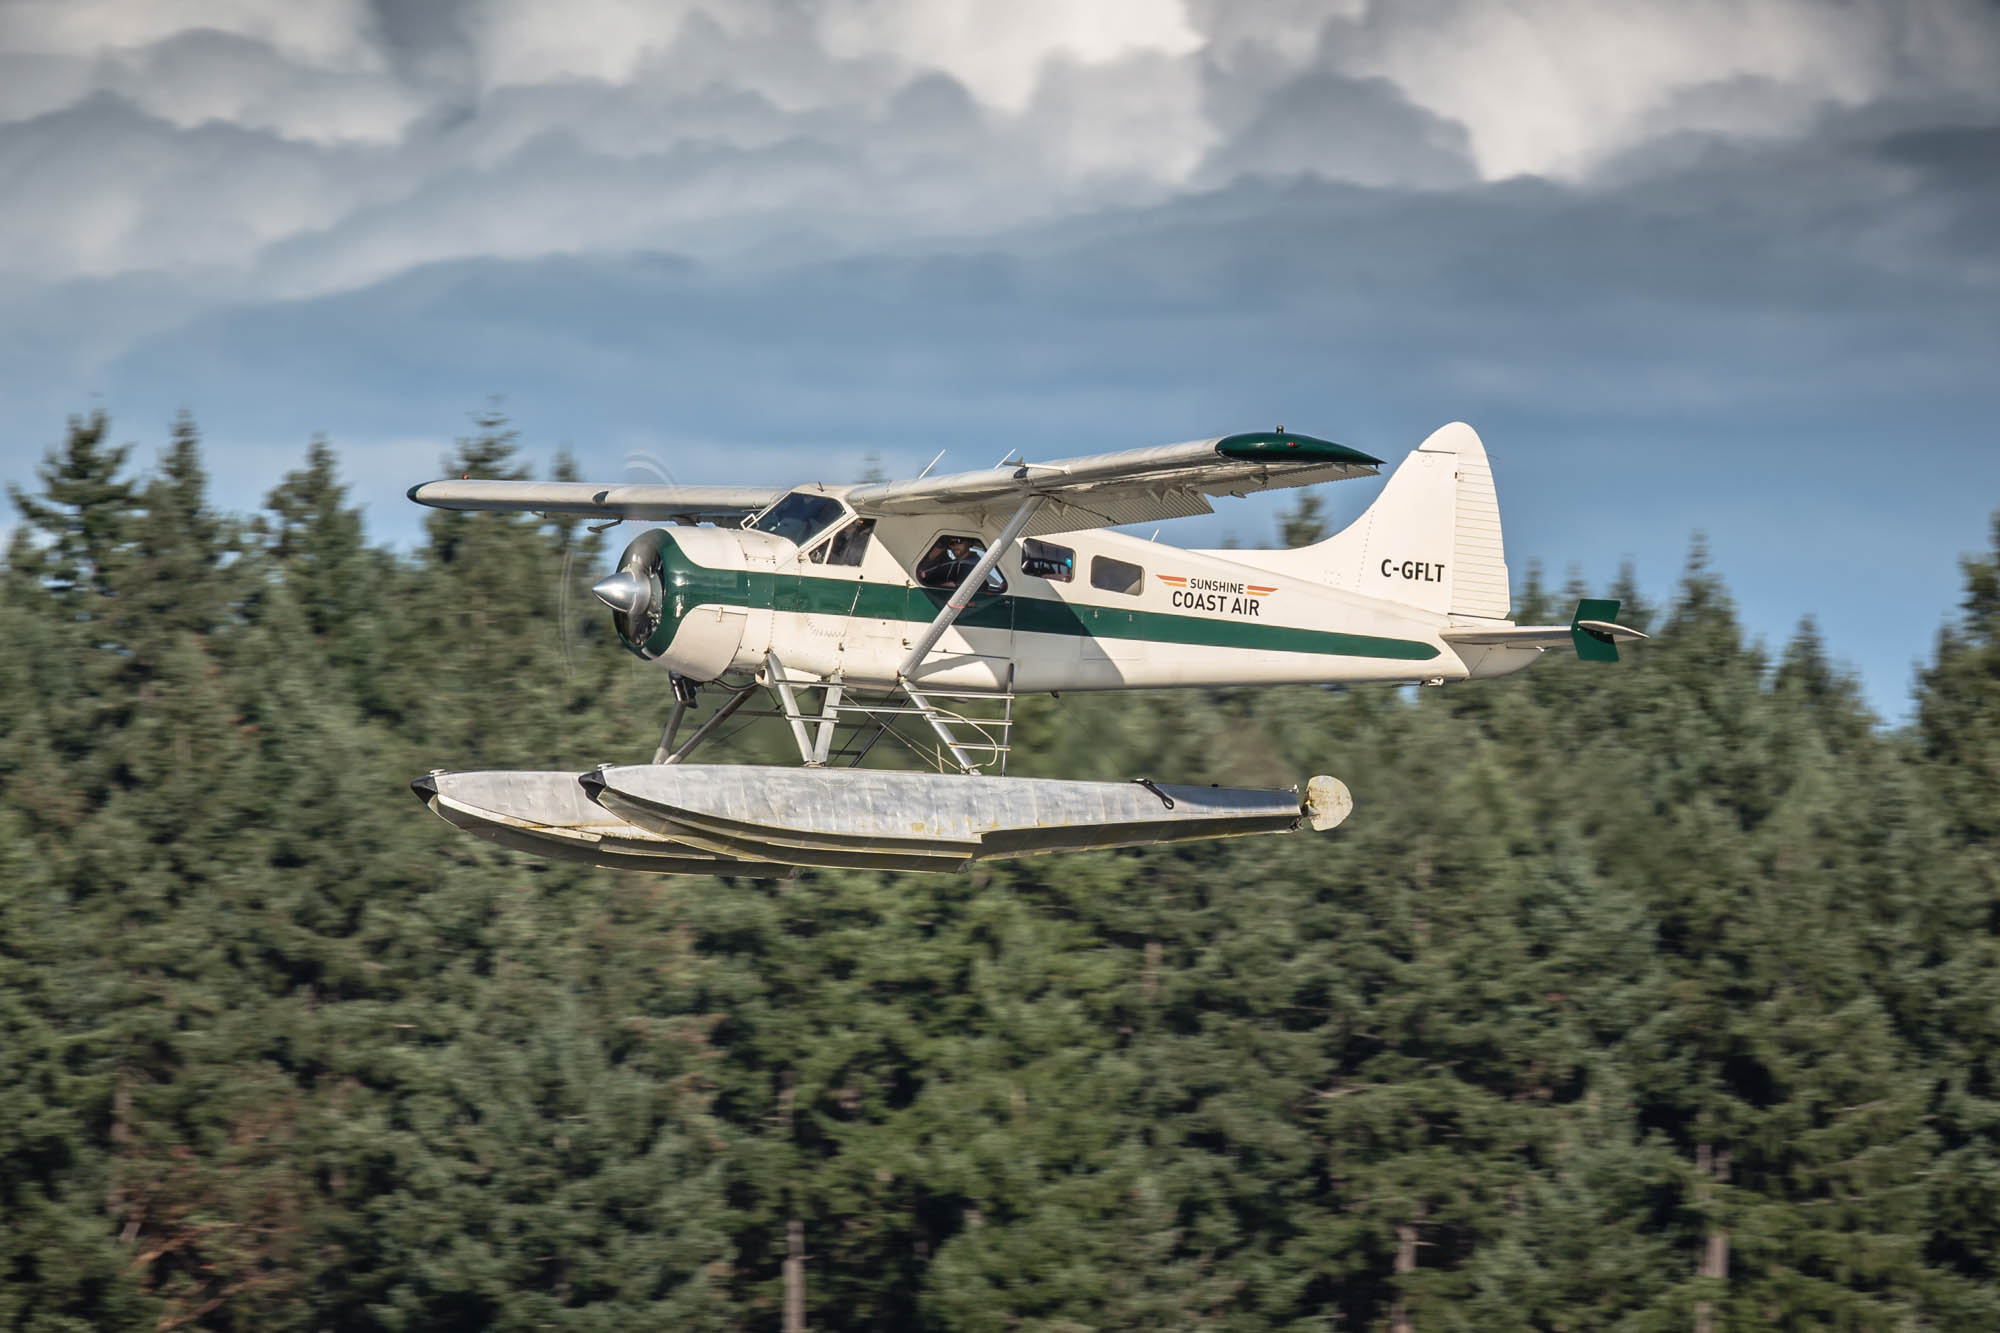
pixel 867 610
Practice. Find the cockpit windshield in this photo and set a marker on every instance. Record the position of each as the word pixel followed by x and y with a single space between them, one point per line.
pixel 800 517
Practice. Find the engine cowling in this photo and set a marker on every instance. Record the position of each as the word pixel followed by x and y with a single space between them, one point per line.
pixel 636 591
pixel 686 613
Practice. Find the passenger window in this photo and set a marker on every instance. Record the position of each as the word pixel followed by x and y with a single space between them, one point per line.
pixel 950 559
pixel 1046 560
pixel 850 543
pixel 1115 575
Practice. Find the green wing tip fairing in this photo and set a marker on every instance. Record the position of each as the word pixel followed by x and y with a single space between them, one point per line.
pixel 1289 447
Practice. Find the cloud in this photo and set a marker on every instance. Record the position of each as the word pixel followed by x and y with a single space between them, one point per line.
pixel 1002 52
pixel 1343 129
pixel 325 34
pixel 328 143
pixel 1137 120
pixel 206 77
pixel 605 41
pixel 113 190
pixel 1556 87
pixel 1712 290
pixel 36 83
pixel 1956 169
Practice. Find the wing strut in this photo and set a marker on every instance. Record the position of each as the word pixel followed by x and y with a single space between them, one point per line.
pixel 968 588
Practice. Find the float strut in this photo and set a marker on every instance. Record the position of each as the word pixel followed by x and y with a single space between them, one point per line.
pixel 775 669
pixel 829 718
pixel 685 691
pixel 667 733
pixel 722 714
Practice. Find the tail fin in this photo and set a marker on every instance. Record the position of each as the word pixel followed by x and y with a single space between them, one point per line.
pixel 1431 539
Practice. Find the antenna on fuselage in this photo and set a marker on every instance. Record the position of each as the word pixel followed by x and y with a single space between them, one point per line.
pixel 928 466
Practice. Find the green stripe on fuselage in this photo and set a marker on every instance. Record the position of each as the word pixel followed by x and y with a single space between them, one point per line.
pixel 689 585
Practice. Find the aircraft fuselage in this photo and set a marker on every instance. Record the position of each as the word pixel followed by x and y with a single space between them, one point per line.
pixel 1130 613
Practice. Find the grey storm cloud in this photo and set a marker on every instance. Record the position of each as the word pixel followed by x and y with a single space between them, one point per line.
pixel 1523 295
pixel 1642 170
pixel 329 143
pixel 1344 129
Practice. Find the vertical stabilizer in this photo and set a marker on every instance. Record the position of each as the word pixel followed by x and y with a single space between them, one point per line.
pixel 1431 539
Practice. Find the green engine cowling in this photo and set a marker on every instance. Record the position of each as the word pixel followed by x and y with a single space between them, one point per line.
pixel 672 606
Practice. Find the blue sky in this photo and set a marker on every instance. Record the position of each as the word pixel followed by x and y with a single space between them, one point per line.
pixel 1704 266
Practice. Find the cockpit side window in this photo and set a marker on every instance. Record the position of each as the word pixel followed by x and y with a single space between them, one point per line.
pixel 951 558
pixel 847 546
pixel 800 517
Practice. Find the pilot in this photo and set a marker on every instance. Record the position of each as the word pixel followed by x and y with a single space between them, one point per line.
pixel 942 566
pixel 950 559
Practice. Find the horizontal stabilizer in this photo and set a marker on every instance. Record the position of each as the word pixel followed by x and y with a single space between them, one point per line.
pixel 1592 632
pixel 1595 633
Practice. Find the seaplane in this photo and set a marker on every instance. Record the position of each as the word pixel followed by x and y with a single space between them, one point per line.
pixel 920 609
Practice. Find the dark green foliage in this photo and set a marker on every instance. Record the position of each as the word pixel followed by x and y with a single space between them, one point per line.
pixel 1650 996
pixel 1305 522
pixel 1958 721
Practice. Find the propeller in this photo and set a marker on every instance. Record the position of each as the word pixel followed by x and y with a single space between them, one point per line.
pixel 629 604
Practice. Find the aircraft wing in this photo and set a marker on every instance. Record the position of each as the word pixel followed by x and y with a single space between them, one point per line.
pixel 1129 486
pixel 711 504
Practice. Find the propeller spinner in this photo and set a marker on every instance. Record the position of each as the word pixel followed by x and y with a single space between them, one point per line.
pixel 624 592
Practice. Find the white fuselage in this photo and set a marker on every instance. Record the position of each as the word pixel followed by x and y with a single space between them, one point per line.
pixel 1134 614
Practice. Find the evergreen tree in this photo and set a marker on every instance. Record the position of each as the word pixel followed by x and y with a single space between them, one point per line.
pixel 1958 723
pixel 314 539
pixel 1304 523
pixel 1655 996
pixel 1956 718
pixel 83 515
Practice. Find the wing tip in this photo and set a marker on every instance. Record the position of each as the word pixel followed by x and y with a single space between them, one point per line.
pixel 1274 446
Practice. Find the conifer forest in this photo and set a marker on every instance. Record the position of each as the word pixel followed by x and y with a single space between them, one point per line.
pixel 1662 995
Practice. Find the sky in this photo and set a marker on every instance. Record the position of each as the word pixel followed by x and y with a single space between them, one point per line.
pixel 1715 267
